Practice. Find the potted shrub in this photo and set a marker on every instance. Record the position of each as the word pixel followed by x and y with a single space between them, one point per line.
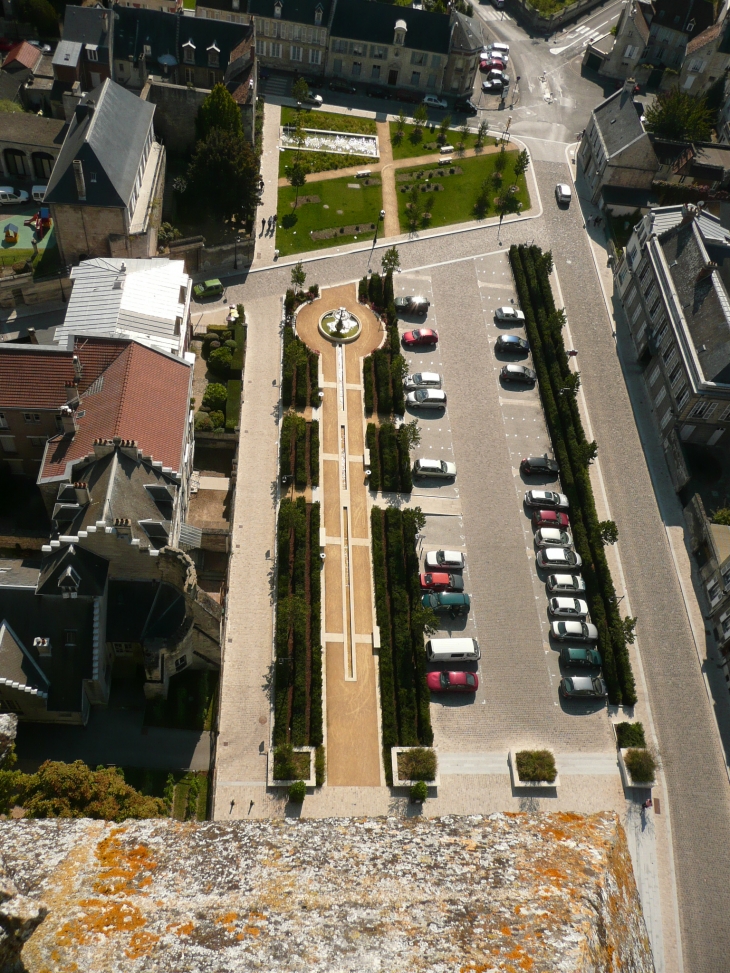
pixel 288 764
pixel 419 792
pixel 297 792
pixel 638 767
pixel 533 768
pixel 629 735
pixel 413 765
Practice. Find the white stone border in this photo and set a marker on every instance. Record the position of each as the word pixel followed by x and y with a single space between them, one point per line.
pixel 530 784
pixel 394 751
pixel 626 776
pixel 311 781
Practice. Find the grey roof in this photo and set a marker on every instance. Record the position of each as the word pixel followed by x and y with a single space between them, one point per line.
pixel 19 572
pixel 67 54
pixel 623 196
pixel 363 20
pixel 108 140
pixel 464 38
pixel 17 666
pixel 618 121
pixel 87 25
pixel 27 128
pixel 89 568
pixel 298 11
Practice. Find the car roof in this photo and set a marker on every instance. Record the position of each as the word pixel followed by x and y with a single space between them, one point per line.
pixel 581 682
pixel 563 187
pixel 554 553
pixel 578 649
pixel 551 532
pixel 565 601
pixel 452 555
pixel 436 393
pixel 433 463
pixel 428 376
pixel 510 338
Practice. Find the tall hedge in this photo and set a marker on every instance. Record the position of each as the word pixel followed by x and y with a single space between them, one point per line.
pixel 371 441
pixel 301 470
pixel 233 404
pixel 367 384
pixel 314 453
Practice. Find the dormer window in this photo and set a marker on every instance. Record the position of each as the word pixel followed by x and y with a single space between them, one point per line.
pixel 318 15
pixel 189 52
pixel 277 10
pixel 399 38
pixel 213 55
pixel 236 4
pixel 148 50
pixel 69 583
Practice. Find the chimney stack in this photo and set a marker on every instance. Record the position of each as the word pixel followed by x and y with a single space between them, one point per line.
pixel 78 371
pixel 68 421
pixel 32 336
pixel 706 271
pixel 72 393
pixel 79 177
pixel 43 647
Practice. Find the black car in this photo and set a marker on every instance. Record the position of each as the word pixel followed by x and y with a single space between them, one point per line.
pixel 538 464
pixel 412 305
pixel 344 86
pixel 518 373
pixel 465 106
pixel 511 343
pixel 495 87
pixel 378 93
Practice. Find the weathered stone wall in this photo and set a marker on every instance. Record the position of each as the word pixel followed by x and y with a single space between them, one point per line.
pixel 175 110
pixel 508 892
pixel 85 230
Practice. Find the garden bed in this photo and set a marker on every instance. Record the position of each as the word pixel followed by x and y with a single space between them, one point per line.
pixel 533 768
pixel 390 458
pixel 411 764
pixel 287 764
pixel 224 350
pixel 404 694
pixel 410 145
pixel 638 767
pixel 300 372
pixel 332 121
pixel 384 370
pixel 299 452
pixel 531 269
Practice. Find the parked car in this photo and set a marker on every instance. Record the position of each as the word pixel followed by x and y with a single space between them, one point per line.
pixel 566 584
pixel 209 288
pixel 426 399
pixel 558 557
pixel 423 380
pixel 46 48
pixel 452 682
pixel 568 607
pixel 12 197
pixel 447 602
pixel 441 581
pixel 498 49
pixel 312 99
pixel 378 93
pixel 421 336
pixel 511 343
pixel 444 561
pixel 342 86
pixel 578 631
pixel 465 106
pixel 431 101
pixel 591 687
pixel 518 373
pixel 434 467
pixel 563 194
pixel 412 304
pixel 580 656
pixel 492 64
pixel 550 518
pixel 547 499
pixel 511 314
pixel 496 74
pixel 539 465
pixel 493 86
pixel 553 537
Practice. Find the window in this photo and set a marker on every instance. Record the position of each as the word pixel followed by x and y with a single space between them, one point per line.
pixel 665 418
pixel 147 50
pixel 418 58
pixel 631 254
pixel 69 636
pixel 356 69
pixel 682 397
pixel 378 53
pixel 714 592
pixel 459 65
pixel 37 440
pixel 435 60
pixel 431 83
pixel 261 48
pixel 654 374
pixel 9 706
pixel 675 374
pixel 189 75
pixel 318 14
pixel 8 444
pixel 724 415
pixel 277 9
pixel 415 78
pixel 375 72
pixel 337 66
pixel 655 307
pixel 661 333
pixel 275 49
pixel 180 663
pixel 93 54
pixel 697 66
pixel 315 57
pixel 703 410
pixel 636 314
pixel 357 49
pixel 31 417
pixel 15 162
pixel 189 52
pixel 3 421
pixel 295 53
pixel 211 79
pixel 631 51
pixel 213 55
pixel 661 396
pixel 725 622
pixel 339 47
pixel 120 67
pixel 123 648
pixel 726 577
pixel 650 291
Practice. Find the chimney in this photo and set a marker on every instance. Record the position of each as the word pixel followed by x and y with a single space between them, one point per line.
pixel 42 647
pixel 629 85
pixel 706 271
pixel 72 393
pixel 78 370
pixel 81 490
pixel 32 336
pixel 68 421
pixel 105 21
pixel 79 174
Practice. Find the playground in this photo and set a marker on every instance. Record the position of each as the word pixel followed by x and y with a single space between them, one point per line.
pixel 19 232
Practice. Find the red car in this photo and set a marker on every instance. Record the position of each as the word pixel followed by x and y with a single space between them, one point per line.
pixel 7 45
pixel 421 336
pixel 550 518
pixel 494 64
pixel 453 682
pixel 442 582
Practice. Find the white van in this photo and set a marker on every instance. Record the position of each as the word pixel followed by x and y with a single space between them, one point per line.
pixel 38 193
pixel 9 197
pixel 453 650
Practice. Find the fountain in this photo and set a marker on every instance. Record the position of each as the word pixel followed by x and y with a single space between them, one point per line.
pixel 340 325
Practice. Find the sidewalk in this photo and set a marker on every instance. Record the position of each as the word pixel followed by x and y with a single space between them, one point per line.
pixel 265 241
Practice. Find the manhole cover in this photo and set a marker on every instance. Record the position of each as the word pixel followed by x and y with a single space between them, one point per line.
pixel 262 720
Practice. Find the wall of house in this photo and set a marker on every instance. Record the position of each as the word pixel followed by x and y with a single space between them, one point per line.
pixel 290 46
pixel 23 435
pixel 34 160
pixel 399 66
pixel 175 109
pixel 459 75
pixel 626 52
pixel 85 230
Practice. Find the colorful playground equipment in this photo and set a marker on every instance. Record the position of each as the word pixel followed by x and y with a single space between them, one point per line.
pixel 11 233
pixel 41 222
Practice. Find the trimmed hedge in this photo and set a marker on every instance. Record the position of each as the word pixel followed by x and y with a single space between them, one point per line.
pixel 300 470
pixel 368 384
pixel 382 371
pixel 390 462
pixel 299 380
pixel 295 433
pixel 233 404
pixel 531 268
pixel 371 441
pixel 405 698
pixel 314 452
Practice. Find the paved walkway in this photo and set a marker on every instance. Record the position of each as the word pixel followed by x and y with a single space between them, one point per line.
pixel 265 241
pixel 353 735
pixel 391 223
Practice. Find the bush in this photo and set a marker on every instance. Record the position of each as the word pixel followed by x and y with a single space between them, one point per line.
pixel 313 379
pixel 417 764
pixel 375 290
pixel 419 792
pixel 367 384
pixel 297 792
pixel 288 433
pixel 300 471
pixel 233 404
pixel 381 360
pixel 320 766
pixel 641 765
pixel 371 441
pixel 630 735
pixel 203 423
pixel 536 765
pixel 217 420
pixel 362 290
pixel 389 456
pixel 239 353
pixel 314 457
pixel 215 395
pixel 219 361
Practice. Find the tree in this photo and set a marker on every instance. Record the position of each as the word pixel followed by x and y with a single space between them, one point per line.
pixel 300 90
pixel 39 13
pixel 219 361
pixel 223 176
pixel 297 177
pixel 481 133
pixel 481 204
pixel 590 451
pixel 215 396
pixel 629 626
pixel 410 431
pixel 9 106
pixel 401 121
pixel 677 115
pixel 501 161
pixel 414 207
pixel 722 516
pixel 391 260
pixel 218 110
pixel 608 531
pixel 420 116
pixel 298 276
pixel 522 162
pixel 464 132
pixel 444 127
pixel 506 203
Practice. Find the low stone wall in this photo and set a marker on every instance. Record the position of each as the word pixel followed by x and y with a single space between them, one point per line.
pixel 21 290
pixel 533 18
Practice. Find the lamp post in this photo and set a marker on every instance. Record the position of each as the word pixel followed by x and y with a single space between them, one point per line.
pixel 381 218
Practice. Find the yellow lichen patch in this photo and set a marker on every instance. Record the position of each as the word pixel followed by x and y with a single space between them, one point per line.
pixel 180 928
pixel 104 919
pixel 121 866
pixel 252 930
pixel 228 921
pixel 141 944
pixel 506 931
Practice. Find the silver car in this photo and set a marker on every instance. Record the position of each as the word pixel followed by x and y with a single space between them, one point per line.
pixel 558 557
pixel 434 467
pixel 568 607
pixel 511 314
pixel 563 194
pixel 566 584
pixel 553 537
pixel 546 500
pixel 444 561
pixel 423 380
pixel 426 399
pixel 578 631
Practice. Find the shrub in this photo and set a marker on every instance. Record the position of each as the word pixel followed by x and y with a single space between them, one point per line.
pixel 367 384
pixel 233 404
pixel 203 423
pixel 297 792
pixel 215 395
pixel 630 735
pixel 390 458
pixel 381 360
pixel 230 344
pixel 371 441
pixel 362 290
pixel 417 764
pixel 288 431
pixel 300 472
pixel 641 765
pixel 219 361
pixel 217 420
pixel 314 459
pixel 313 379
pixel 238 357
pixel 375 290
pixel 536 765
pixel 290 300
pixel 320 766
pixel 419 792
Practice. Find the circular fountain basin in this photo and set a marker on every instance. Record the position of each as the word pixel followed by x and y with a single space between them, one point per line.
pixel 340 325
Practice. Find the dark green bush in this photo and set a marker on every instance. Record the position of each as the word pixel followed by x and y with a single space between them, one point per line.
pixel 399 394
pixel 238 357
pixel 630 735
pixel 404 457
pixel 314 454
pixel 375 291
pixel 389 457
pixel 381 359
pixel 362 290
pixel 217 420
pixel 203 423
pixel 288 436
pixel 367 384
pixel 300 478
pixel 371 441
pixel 536 765
pixel 419 792
pixel 385 656
pixel 290 301
pixel 641 765
pixel 320 766
pixel 417 764
pixel 233 404
pixel 313 358
pixel 215 395
pixel 219 361
pixel 388 295
pixel 297 792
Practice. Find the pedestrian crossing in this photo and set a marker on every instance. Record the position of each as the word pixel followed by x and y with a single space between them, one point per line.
pixel 276 86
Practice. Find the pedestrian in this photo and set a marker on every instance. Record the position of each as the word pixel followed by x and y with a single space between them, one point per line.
pixel 263 225
pixel 647 804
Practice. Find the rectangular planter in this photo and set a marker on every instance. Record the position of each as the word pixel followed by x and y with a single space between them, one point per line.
pixel 529 784
pixel 626 776
pixel 394 751
pixel 310 781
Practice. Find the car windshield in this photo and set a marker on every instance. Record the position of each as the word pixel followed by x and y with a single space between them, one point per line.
pixel 470 679
pixel 420 396
pixel 418 378
pixel 444 678
pixel 442 466
pixel 417 334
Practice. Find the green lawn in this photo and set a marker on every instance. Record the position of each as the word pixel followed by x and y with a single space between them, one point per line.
pixel 329 121
pixel 409 146
pixel 455 204
pixel 190 704
pixel 359 207
pixel 46 262
pixel 322 161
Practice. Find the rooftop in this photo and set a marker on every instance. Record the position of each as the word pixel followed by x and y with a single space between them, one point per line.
pixel 27 128
pixel 23 55
pixel 618 121
pixel 87 25
pixel 688 16
pixel 299 11
pixel 375 22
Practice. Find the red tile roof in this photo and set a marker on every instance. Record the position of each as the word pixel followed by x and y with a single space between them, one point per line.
pixel 144 396
pixel 25 54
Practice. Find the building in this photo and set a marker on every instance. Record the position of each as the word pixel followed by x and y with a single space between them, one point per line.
pixel 291 35
pixel 21 64
pixel 625 53
pixel 673 283
pixel 146 300
pixel 167 6
pixel 105 192
pixel 84 54
pixel 674 24
pixel 710 545
pixel 29 147
pixel 615 150
pixel 706 60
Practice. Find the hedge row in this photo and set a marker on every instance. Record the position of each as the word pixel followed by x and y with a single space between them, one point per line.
pixel 298 667
pixel 531 268
pixel 384 370
pixel 296 432
pixel 230 363
pixel 300 370
pixel 233 404
pixel 406 718
pixel 390 461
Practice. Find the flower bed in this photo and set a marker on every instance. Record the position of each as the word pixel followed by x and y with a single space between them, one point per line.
pixel 638 766
pixel 340 143
pixel 287 764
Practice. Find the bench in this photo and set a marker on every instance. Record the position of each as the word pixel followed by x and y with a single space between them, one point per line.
pixel 362 174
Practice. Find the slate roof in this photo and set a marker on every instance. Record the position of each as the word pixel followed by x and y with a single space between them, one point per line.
pixel 90 568
pixel 144 396
pixel 23 55
pixel 618 122
pixel 138 610
pixel 464 38
pixel 298 11
pixel 364 20
pixel 17 665
pixel 166 34
pixel 681 14
pixel 87 25
pixel 27 128
pixel 109 141
pixel 67 54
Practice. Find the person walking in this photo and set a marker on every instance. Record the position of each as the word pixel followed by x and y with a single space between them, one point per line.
pixel 263 225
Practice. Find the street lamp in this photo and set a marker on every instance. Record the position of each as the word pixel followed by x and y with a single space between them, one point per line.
pixel 381 218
